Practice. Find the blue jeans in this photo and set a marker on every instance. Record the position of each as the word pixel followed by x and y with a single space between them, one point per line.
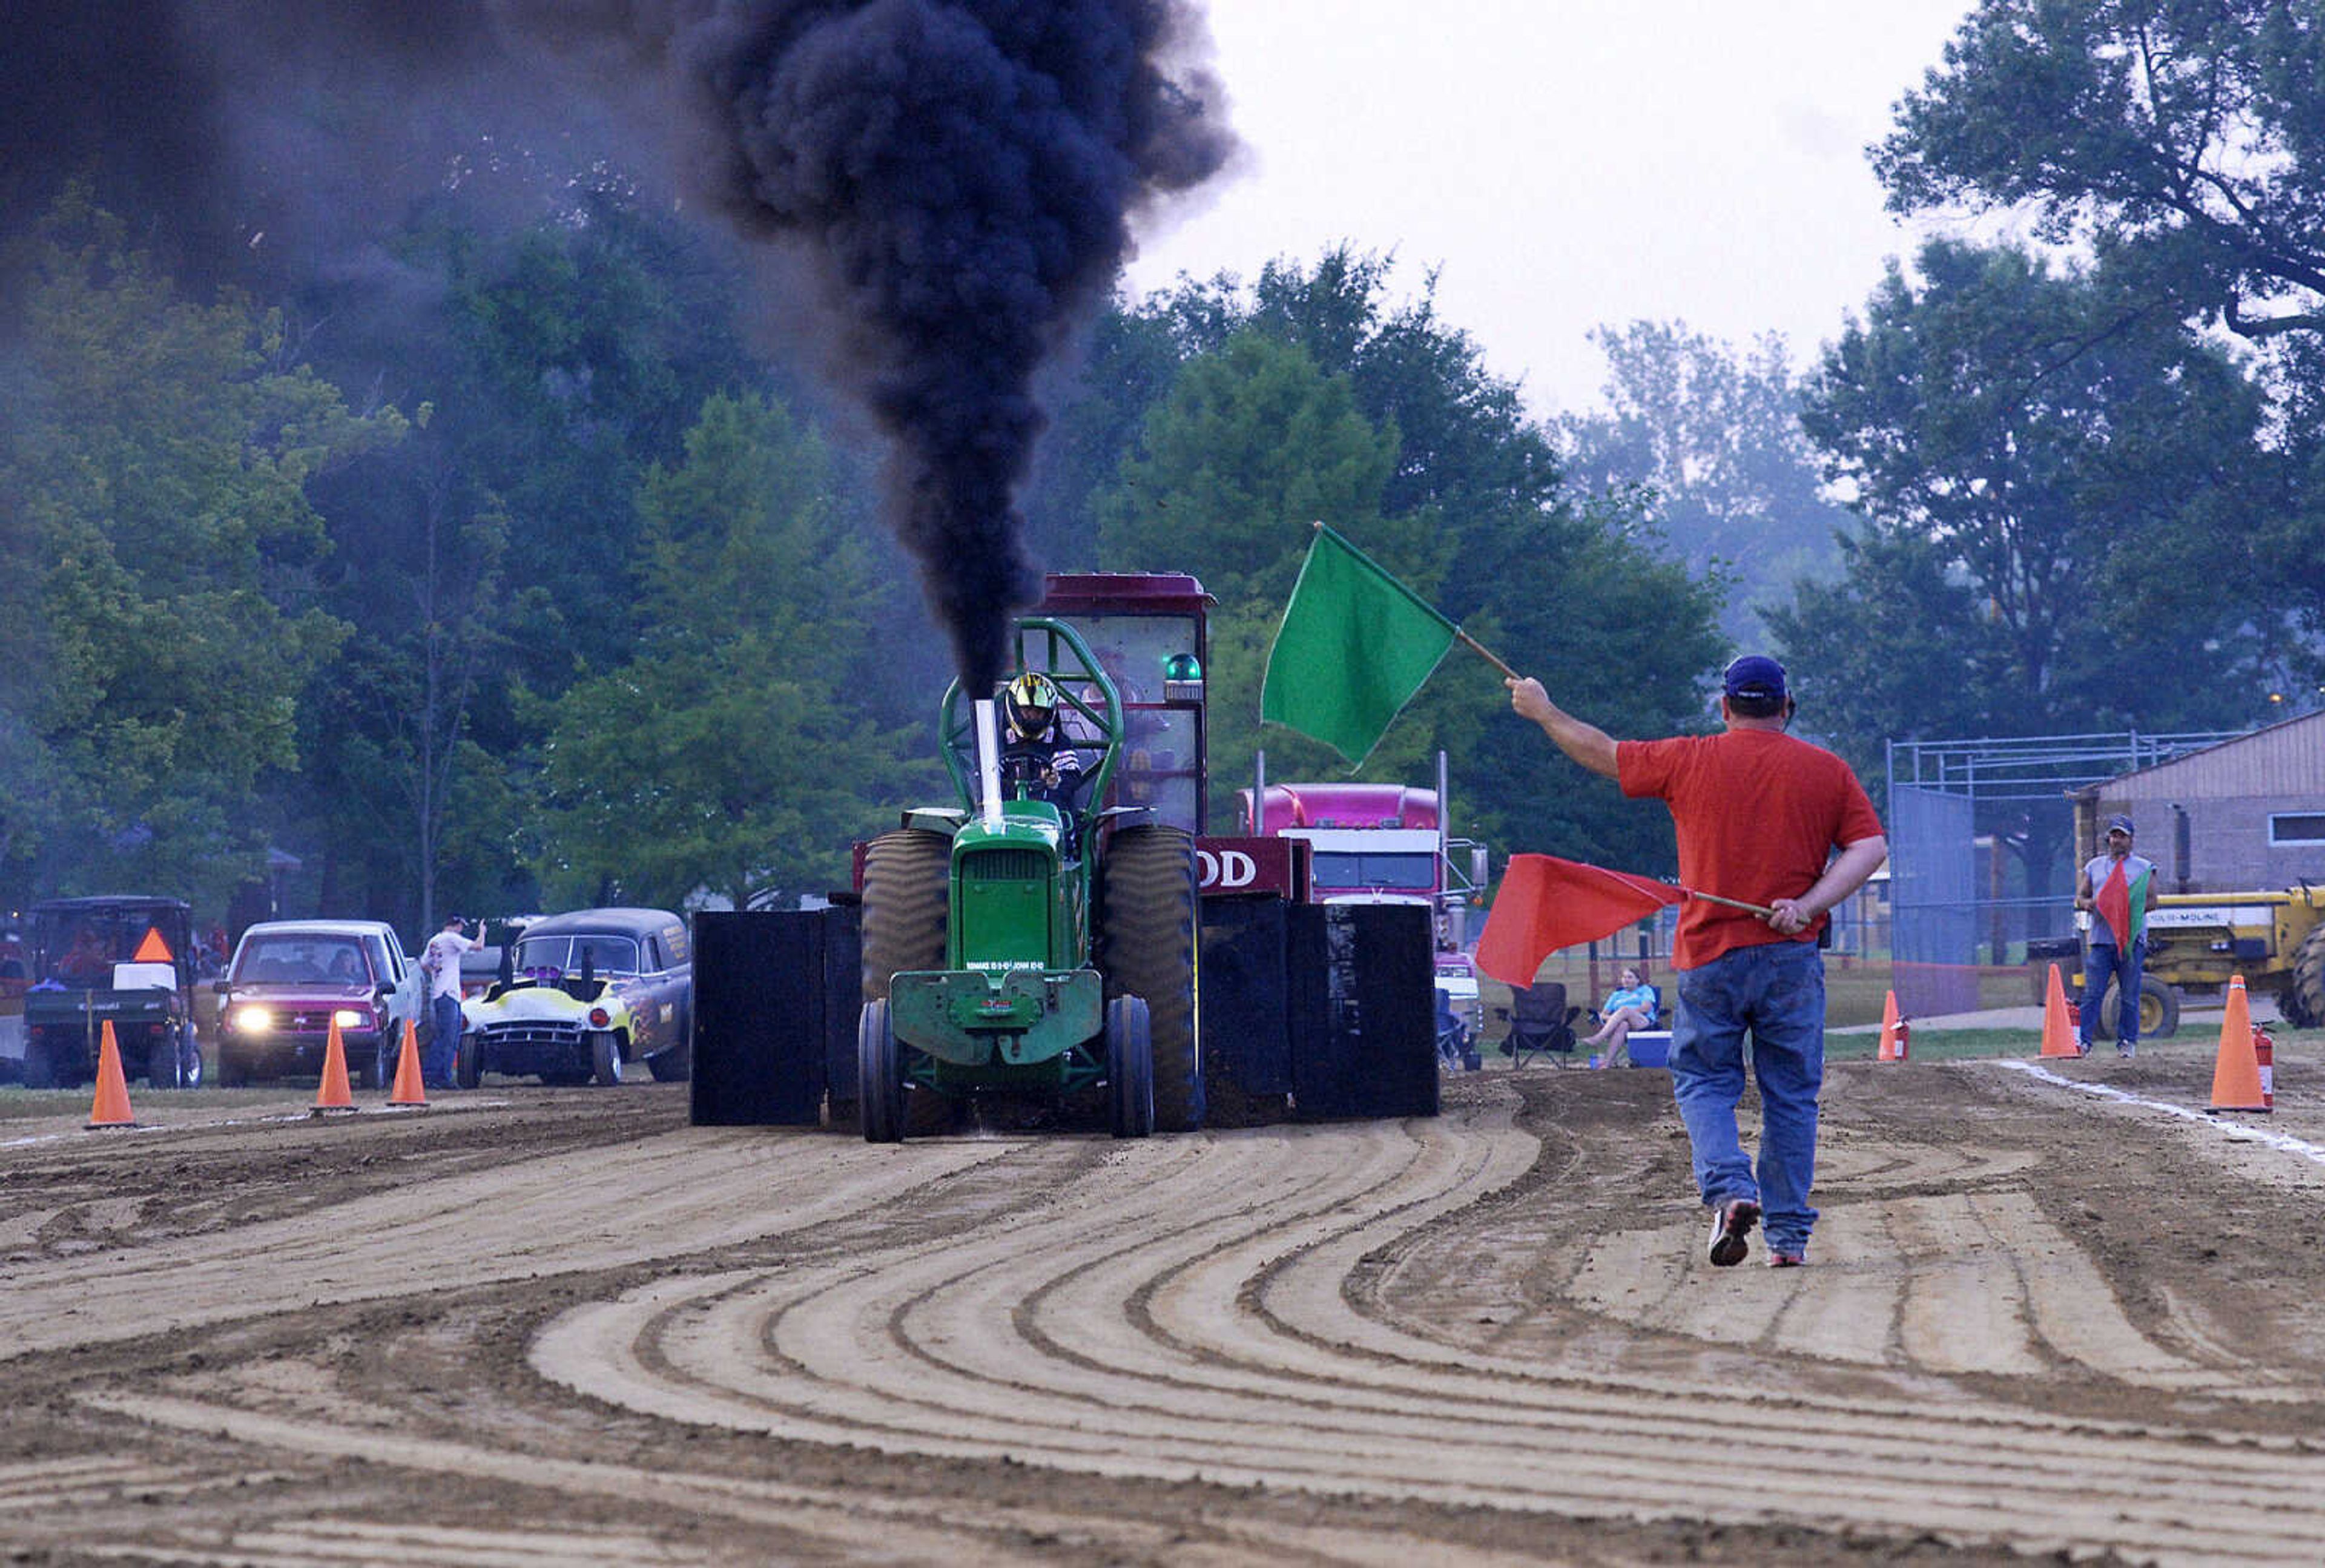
pixel 2100 960
pixel 1776 992
pixel 445 1039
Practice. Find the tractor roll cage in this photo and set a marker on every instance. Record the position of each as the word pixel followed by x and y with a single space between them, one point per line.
pixel 1071 668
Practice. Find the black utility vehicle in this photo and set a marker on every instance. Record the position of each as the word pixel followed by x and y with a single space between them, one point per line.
pixel 126 961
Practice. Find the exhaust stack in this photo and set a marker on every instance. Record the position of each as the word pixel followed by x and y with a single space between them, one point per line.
pixel 988 762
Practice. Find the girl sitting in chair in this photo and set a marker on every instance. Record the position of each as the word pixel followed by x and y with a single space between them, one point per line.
pixel 1631 1005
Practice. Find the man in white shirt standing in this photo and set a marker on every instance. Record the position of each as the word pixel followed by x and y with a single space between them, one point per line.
pixel 439 960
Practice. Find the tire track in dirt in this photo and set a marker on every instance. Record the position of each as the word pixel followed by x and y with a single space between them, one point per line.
pixel 1184 1312
pixel 573 1213
pixel 1295 1309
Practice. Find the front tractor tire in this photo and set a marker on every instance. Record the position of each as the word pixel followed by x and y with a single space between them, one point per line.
pixel 879 1076
pixel 1129 1068
pixel 907 888
pixel 1148 936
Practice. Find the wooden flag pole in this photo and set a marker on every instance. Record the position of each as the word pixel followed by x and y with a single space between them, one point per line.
pixel 1485 653
pixel 1480 648
pixel 1730 903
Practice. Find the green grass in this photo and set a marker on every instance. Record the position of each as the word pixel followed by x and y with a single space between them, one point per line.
pixel 1939 1044
pixel 20 1104
pixel 2200 1036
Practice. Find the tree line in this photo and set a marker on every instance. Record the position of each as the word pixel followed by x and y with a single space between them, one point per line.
pixel 538 575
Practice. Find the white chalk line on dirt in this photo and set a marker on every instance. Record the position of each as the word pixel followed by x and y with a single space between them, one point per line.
pixel 274 1118
pixel 2236 1132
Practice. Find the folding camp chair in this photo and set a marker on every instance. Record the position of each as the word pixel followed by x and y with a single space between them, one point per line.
pixel 1456 1053
pixel 1541 1023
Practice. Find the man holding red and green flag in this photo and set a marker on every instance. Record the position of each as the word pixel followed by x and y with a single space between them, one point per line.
pixel 2121 886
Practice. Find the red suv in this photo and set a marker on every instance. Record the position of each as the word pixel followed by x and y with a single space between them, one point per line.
pixel 291 977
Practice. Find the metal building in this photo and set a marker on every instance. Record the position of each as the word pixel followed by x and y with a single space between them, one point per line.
pixel 2246 813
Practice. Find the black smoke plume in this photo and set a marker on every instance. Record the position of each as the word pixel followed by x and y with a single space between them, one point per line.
pixel 962 176
pixel 957 177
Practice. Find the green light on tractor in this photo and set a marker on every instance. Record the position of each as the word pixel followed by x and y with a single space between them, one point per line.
pixel 1182 678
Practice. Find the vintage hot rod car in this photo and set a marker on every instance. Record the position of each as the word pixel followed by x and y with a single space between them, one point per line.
pixel 582 995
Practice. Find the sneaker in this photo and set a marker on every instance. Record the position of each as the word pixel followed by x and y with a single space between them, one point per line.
pixel 1788 1260
pixel 2125 1051
pixel 2082 1048
pixel 1731 1223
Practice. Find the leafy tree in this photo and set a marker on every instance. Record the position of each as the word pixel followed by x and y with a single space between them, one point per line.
pixel 2052 477
pixel 395 720
pixel 1434 469
pixel 2180 140
pixel 2181 144
pixel 1252 447
pixel 157 455
pixel 1712 437
pixel 1577 590
pixel 728 755
pixel 560 334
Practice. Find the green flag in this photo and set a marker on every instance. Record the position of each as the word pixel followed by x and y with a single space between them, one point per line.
pixel 1355 645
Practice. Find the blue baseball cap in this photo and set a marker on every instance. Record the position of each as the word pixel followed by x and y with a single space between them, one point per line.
pixel 1755 675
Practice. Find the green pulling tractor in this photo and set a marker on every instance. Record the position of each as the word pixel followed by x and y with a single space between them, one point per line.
pixel 1015 945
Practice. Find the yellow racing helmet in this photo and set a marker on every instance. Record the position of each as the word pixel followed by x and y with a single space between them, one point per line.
pixel 1030 700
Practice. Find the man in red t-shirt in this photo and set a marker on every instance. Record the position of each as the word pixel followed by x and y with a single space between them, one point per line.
pixel 1759 815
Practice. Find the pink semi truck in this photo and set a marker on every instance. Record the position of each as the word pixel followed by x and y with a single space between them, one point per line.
pixel 1385 843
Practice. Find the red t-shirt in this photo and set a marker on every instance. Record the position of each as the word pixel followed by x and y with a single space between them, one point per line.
pixel 1758 815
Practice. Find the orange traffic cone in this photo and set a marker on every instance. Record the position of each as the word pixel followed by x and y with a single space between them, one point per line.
pixel 2057 1030
pixel 409 1090
pixel 111 1106
pixel 332 1093
pixel 2235 1073
pixel 1894 1032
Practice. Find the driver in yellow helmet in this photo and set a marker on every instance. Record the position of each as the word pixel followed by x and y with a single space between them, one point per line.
pixel 1036 748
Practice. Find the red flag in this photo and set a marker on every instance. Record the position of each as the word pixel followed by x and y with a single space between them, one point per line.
pixel 2123 904
pixel 1547 904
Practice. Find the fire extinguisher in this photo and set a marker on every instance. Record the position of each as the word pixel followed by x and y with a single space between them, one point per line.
pixel 1904 1036
pixel 2265 1058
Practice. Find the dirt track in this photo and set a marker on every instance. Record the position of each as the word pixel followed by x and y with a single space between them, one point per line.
pixel 558 1327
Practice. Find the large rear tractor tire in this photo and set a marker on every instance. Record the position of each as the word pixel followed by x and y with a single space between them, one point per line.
pixel 907 877
pixel 1129 1068
pixel 1148 936
pixel 2302 1000
pixel 879 1076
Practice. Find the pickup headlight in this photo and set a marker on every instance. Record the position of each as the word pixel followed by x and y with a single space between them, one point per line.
pixel 250 1018
pixel 351 1018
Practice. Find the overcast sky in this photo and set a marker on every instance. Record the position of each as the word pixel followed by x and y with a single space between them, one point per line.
pixel 1569 162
